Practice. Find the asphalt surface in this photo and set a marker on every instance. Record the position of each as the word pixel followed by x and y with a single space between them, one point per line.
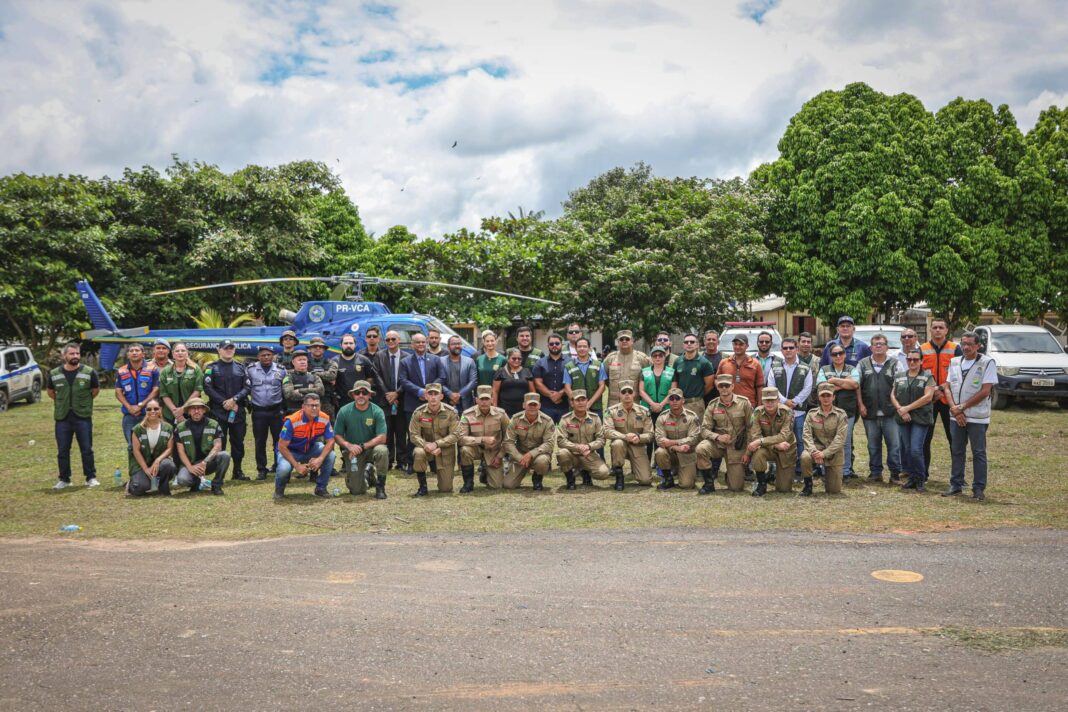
pixel 637 619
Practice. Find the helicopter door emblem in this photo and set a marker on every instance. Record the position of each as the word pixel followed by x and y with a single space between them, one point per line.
pixel 317 313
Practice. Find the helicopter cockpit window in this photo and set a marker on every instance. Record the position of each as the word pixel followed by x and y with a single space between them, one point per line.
pixel 405 331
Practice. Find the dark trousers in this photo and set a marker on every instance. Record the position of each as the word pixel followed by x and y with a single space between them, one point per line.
pixel 397 435
pixel 234 433
pixel 554 411
pixel 264 421
pixel 66 430
pixel 941 410
pixel 974 435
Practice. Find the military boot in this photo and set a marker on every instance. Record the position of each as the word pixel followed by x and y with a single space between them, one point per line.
pixel 535 480
pixel 380 487
pixel 669 481
pixel 482 476
pixel 421 492
pixel 587 479
pixel 570 477
pixel 761 488
pixel 806 491
pixel 216 488
pixel 468 473
pixel 710 482
pixel 618 472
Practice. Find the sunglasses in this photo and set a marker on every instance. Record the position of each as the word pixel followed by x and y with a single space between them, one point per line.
pixel 764 343
pixel 555 343
pixel 574 331
pixel 372 336
pixel 913 358
pixel 723 385
pixel 663 340
pixel 624 338
pixel 789 348
pixel 658 354
pixel 392 338
pixel 838 353
pixel 691 343
pixel 674 398
pixel 363 393
pixel 515 358
pixel 152 409
pixel 826 395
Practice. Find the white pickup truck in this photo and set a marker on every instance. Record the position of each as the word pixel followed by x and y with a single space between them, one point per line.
pixel 1030 362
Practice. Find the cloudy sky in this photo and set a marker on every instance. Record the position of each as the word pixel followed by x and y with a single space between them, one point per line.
pixel 538 96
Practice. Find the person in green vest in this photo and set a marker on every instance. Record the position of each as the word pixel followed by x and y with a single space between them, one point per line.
pixel 199 444
pixel 524 337
pixel 179 383
pixel 655 383
pixel 583 372
pixel 72 388
pixel 490 360
pixel 846 382
pixel 152 445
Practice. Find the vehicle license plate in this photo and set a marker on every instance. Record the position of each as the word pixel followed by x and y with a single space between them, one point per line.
pixel 1047 382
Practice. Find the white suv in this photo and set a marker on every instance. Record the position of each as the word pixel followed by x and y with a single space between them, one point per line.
pixel 20 377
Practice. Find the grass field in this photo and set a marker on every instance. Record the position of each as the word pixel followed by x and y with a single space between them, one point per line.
pixel 1028 487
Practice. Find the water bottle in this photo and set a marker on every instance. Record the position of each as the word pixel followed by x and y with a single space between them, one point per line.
pixel 336 491
pixel 70 528
pixel 205 484
pixel 118 477
pixel 393 408
pixel 232 416
pixel 353 465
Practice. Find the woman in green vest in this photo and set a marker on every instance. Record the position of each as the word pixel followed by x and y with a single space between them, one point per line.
pixel 489 361
pixel 178 383
pixel 911 397
pixel 656 382
pixel 151 465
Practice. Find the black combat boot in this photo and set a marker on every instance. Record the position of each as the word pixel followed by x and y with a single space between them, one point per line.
pixel 618 472
pixel 710 482
pixel 535 480
pixel 806 491
pixel 380 486
pixel 570 477
pixel 195 487
pixel 482 475
pixel 239 475
pixel 468 473
pixel 421 492
pixel 216 488
pixel 587 479
pixel 669 481
pixel 761 488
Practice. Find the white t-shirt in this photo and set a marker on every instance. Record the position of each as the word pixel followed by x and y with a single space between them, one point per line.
pixel 153 435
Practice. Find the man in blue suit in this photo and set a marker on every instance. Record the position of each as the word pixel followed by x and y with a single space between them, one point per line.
pixel 461 376
pixel 416 372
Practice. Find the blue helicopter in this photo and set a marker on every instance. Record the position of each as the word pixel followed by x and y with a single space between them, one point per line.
pixel 342 314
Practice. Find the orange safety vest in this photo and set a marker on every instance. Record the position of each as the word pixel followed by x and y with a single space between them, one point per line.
pixel 936 362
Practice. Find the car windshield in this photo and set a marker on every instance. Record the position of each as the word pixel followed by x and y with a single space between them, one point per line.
pixel 1026 342
pixel 728 335
pixel 893 338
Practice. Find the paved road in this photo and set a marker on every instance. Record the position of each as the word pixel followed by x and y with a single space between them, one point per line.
pixel 666 619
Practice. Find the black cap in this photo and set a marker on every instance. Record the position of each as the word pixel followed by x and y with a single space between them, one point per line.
pixel 845 319
pixel 226 343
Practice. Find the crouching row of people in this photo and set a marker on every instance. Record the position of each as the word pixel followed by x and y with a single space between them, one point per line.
pixel 189 453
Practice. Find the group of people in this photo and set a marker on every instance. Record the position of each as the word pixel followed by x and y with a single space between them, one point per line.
pixel 767 417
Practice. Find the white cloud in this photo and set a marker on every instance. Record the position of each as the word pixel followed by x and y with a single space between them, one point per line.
pixel 540 97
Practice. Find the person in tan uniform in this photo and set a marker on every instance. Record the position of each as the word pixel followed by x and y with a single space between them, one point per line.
pixel 677 433
pixel 579 436
pixel 628 430
pixel 482 430
pixel 529 443
pixel 433 432
pixel 623 364
pixel 723 432
pixel 772 443
pixel 824 436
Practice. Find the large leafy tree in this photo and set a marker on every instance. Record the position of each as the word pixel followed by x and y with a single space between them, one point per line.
pixel 1049 138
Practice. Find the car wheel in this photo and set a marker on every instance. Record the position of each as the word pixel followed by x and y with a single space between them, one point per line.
pixel 998 400
pixel 35 392
pixel 3 401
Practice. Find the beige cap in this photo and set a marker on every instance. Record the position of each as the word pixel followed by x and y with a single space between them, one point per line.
pixel 531 398
pixel 194 403
pixel 825 388
pixel 724 378
pixel 579 393
pixel 769 393
pixel 676 392
pixel 625 332
pixel 484 392
pixel 432 388
pixel 626 386
pixel 361 386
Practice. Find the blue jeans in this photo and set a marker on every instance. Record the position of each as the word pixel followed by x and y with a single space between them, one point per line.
pixel 282 472
pixel 973 434
pixel 128 423
pixel 847 466
pixel 799 432
pixel 66 430
pixel 911 438
pixel 878 429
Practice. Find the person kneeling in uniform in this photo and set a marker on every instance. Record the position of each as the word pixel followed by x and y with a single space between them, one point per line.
pixel 628 429
pixel 771 443
pixel 200 448
pixel 360 430
pixel 529 443
pixel 151 466
pixel 482 430
pixel 825 436
pixel 579 436
pixel 433 433
pixel 723 430
pixel 677 433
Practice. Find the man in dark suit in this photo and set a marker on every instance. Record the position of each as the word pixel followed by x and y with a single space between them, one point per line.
pixel 387 363
pixel 415 373
pixel 461 376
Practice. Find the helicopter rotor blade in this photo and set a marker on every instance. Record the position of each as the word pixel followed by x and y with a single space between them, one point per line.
pixel 246 281
pixel 386 280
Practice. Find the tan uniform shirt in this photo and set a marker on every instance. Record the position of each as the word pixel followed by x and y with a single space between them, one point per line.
pixel 684 428
pixel 772 429
pixel 474 426
pixel 825 431
pixel 574 431
pixel 523 436
pixel 623 368
pixel 731 419
pixel 618 422
pixel 441 428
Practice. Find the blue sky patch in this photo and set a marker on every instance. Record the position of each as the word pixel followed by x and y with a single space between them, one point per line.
pixel 382 55
pixel 756 9
pixel 292 64
pixel 378 9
